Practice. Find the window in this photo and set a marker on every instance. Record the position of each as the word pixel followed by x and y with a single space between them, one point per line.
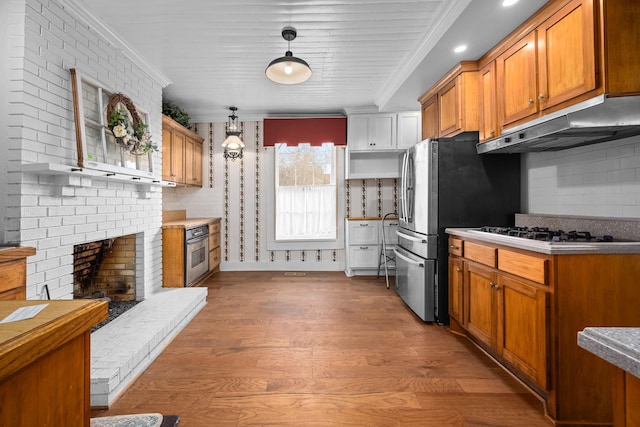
pixel 305 192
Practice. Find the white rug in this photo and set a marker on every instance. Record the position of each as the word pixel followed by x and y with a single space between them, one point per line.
pixel 137 420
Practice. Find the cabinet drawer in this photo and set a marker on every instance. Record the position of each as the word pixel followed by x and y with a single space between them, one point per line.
pixel 527 266
pixel 214 240
pixel 214 259
pixel 363 232
pixel 479 253
pixel 12 275
pixel 363 256
pixel 456 246
pixel 214 227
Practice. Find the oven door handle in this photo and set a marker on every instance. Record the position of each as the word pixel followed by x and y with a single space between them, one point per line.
pixel 197 239
pixel 406 236
pixel 409 260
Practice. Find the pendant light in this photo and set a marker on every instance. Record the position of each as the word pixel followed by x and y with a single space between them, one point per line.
pixel 233 145
pixel 288 69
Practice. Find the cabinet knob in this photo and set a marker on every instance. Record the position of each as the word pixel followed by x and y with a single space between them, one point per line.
pixel 458 269
pixel 530 101
pixel 493 132
pixel 541 96
pixel 454 247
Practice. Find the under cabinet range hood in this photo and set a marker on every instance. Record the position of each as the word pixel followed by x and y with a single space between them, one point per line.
pixel 599 119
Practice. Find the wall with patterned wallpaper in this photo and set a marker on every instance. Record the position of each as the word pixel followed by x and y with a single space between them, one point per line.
pixel 237 192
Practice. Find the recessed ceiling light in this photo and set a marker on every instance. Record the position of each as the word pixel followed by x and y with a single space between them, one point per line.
pixel 460 48
pixel 506 3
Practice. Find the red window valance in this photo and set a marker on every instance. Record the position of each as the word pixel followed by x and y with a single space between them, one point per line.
pixel 311 130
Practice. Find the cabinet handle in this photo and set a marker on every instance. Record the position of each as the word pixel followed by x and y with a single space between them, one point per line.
pixel 493 285
pixel 364 225
pixel 454 247
pixel 530 101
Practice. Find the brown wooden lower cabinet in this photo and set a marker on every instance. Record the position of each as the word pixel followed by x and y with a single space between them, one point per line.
pixel 526 308
pixel 13 273
pixel 173 249
pixel 214 245
pixel 45 363
pixel 626 399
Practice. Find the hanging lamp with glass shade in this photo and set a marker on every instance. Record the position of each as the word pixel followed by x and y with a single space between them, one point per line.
pixel 233 145
pixel 288 69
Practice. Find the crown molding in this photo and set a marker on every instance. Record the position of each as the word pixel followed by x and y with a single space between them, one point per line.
pixel 413 59
pixel 80 11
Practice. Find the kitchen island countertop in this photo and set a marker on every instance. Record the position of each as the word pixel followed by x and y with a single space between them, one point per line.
pixel 545 247
pixel 618 346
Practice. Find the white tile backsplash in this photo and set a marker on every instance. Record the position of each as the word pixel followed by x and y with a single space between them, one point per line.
pixel 596 180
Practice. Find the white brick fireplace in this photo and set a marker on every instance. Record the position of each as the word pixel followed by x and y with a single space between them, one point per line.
pixel 46 39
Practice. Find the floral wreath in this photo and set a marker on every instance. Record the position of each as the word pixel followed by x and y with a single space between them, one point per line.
pixel 126 126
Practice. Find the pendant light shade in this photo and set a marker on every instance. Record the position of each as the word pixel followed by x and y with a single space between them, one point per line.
pixel 233 145
pixel 288 69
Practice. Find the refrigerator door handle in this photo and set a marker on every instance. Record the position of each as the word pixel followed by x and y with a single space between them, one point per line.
pixel 409 260
pixel 413 239
pixel 403 190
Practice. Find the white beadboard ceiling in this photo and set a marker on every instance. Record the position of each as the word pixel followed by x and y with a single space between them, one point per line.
pixel 365 55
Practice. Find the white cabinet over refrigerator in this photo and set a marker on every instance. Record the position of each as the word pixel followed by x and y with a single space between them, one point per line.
pixel 375 143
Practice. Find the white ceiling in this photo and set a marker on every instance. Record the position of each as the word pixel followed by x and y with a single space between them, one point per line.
pixel 374 54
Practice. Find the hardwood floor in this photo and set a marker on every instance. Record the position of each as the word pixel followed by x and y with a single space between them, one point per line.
pixel 322 350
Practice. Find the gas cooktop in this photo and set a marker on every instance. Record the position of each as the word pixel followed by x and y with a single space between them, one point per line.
pixel 545 234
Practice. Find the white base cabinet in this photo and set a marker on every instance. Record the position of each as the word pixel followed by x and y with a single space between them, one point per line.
pixel 364 243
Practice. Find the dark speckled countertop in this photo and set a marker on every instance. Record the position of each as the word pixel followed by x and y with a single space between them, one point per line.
pixel 618 346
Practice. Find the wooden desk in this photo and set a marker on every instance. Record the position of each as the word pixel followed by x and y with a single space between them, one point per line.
pixel 44 363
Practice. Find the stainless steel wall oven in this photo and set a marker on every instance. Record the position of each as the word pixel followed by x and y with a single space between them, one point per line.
pixel 196 241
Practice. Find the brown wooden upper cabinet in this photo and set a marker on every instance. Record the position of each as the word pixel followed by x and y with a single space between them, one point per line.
pixel 488 114
pixel 554 63
pixel 181 154
pixel 569 51
pixel 451 105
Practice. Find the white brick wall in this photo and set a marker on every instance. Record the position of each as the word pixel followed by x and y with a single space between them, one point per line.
pixel 41 130
pixel 600 180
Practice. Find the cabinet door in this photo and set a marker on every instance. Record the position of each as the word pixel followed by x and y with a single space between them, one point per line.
pixel 449 108
pixel 479 283
pixel 430 118
pixel 167 173
pixel 566 52
pixel 409 129
pixel 384 131
pixel 359 133
pixel 523 327
pixel 516 81
pixel 189 146
pixel 456 292
pixel 488 113
pixel 197 163
pixel 193 162
pixel 177 157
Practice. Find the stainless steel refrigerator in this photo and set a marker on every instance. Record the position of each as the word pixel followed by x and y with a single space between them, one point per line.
pixel 445 183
